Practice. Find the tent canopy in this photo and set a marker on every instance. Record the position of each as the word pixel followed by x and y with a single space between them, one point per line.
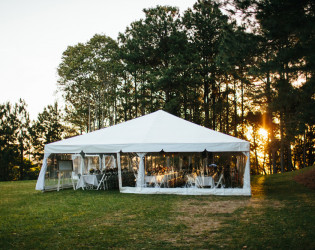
pixel 151 133
pixel 155 132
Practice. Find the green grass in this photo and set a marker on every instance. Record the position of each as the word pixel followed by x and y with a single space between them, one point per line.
pixel 280 214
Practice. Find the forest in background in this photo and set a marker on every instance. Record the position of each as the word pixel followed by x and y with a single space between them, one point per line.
pixel 241 67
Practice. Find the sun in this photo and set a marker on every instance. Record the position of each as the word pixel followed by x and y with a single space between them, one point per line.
pixel 263 133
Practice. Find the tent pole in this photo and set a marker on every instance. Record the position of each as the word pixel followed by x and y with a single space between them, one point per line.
pixel 246 183
pixel 89 164
pixel 140 177
pixel 82 162
pixel 119 170
pixel 104 163
pixel 100 160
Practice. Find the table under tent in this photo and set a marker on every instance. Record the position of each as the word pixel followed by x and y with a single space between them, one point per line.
pixel 155 153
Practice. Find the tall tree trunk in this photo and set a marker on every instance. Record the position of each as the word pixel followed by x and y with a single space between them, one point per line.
pixel 22 158
pixel 242 107
pixel 256 154
pixel 136 98
pixel 304 150
pixel 206 102
pixel 264 161
pixel 126 97
pixel 311 149
pixel 95 116
pixel 281 143
pixel 235 109
pixel 99 109
pixel 143 98
pixel 272 151
pixel 220 110
pixel 151 97
pixel 227 108
pixel 274 160
pixel 89 120
pixel 213 104
pixel 270 159
pixel 115 106
pixel 185 104
pixel 289 162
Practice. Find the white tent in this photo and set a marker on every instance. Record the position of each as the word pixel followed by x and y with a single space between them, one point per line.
pixel 155 132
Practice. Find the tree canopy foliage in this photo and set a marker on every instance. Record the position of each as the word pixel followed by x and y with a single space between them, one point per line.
pixel 242 67
pixel 14 120
pixel 22 141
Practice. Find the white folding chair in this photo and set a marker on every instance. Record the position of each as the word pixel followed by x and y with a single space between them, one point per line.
pixel 164 181
pixel 220 182
pixel 190 181
pixel 74 179
pixel 149 181
pixel 103 183
pixel 199 182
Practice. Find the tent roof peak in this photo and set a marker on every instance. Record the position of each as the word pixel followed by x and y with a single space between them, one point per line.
pixel 151 133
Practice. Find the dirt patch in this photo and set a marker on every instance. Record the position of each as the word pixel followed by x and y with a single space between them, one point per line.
pixel 213 207
pixel 201 219
pixel 206 217
pixel 263 203
pixel 198 225
pixel 307 179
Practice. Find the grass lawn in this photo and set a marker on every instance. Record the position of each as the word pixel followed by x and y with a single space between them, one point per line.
pixel 279 214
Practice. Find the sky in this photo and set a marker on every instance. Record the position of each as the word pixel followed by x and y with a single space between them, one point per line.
pixel 35 33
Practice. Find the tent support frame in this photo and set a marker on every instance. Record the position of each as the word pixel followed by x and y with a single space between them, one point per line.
pixel 119 170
